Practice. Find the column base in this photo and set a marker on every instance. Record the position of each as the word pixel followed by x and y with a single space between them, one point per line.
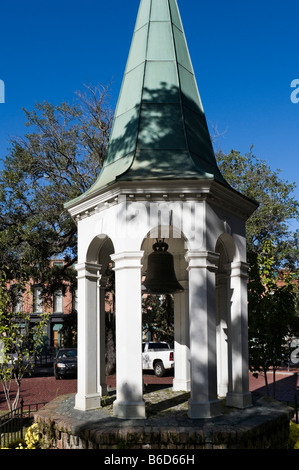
pixel 239 400
pixel 181 385
pixel 222 391
pixel 129 410
pixel 208 409
pixel 87 402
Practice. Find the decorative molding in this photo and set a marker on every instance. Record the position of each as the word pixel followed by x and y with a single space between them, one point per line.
pixel 127 260
pixel 202 259
pixel 88 270
pixel 213 192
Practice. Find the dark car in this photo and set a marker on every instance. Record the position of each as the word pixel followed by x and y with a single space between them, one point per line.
pixel 65 363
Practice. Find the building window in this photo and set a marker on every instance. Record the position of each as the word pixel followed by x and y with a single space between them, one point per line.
pixel 58 264
pixel 57 337
pixel 58 301
pixel 37 299
pixel 17 298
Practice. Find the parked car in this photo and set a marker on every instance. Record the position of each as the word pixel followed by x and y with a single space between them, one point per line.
pixel 294 358
pixel 65 363
pixel 157 356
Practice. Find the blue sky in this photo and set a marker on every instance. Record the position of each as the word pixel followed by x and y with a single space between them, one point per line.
pixel 244 53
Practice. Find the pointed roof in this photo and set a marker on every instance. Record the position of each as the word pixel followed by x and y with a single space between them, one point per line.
pixel 160 130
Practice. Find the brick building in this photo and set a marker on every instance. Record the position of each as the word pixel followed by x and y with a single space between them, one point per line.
pixel 59 304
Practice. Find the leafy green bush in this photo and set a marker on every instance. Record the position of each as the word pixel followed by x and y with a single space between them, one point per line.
pixel 294 436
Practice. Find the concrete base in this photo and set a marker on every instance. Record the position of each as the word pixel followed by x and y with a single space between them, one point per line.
pixel 204 410
pixel 181 385
pixel 130 410
pixel 238 400
pixel 85 403
pixel 265 425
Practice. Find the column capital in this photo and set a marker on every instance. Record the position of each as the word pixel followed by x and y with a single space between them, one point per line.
pixel 237 269
pixel 202 259
pixel 127 259
pixel 90 270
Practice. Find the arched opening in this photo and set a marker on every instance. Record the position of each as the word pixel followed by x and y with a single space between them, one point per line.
pixel 107 284
pixel 99 252
pixel 226 248
pixel 232 324
pixel 92 295
pixel 165 316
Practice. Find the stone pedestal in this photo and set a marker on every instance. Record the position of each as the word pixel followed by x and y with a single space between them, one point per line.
pixel 264 426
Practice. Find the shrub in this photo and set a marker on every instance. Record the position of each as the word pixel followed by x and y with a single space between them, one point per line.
pixel 31 438
pixel 294 436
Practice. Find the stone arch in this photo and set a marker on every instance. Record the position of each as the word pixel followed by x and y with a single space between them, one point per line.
pixel 227 249
pixel 99 249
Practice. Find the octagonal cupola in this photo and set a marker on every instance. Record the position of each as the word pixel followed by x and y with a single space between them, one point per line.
pixel 160 130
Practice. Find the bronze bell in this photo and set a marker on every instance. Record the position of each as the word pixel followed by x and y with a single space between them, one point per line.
pixel 160 275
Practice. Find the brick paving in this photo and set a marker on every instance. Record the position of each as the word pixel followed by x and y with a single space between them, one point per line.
pixel 43 387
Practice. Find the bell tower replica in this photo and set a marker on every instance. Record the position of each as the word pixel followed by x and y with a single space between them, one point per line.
pixel 160 180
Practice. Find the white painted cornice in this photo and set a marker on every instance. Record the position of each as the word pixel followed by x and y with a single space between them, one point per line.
pixel 173 190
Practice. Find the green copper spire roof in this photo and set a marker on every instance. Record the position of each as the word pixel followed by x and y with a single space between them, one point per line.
pixel 160 130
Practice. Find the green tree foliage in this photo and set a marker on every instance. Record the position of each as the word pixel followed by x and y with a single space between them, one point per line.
pixel 158 317
pixel 277 205
pixel 57 161
pixel 271 312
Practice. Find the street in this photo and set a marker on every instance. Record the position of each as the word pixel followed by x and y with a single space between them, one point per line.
pixel 43 387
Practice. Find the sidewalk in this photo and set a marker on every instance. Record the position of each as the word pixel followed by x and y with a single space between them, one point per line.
pixel 286 384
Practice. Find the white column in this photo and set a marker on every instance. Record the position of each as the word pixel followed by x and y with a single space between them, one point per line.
pixel 181 379
pixel 129 382
pixel 88 396
pixel 101 374
pixel 203 402
pixel 238 390
pixel 222 305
